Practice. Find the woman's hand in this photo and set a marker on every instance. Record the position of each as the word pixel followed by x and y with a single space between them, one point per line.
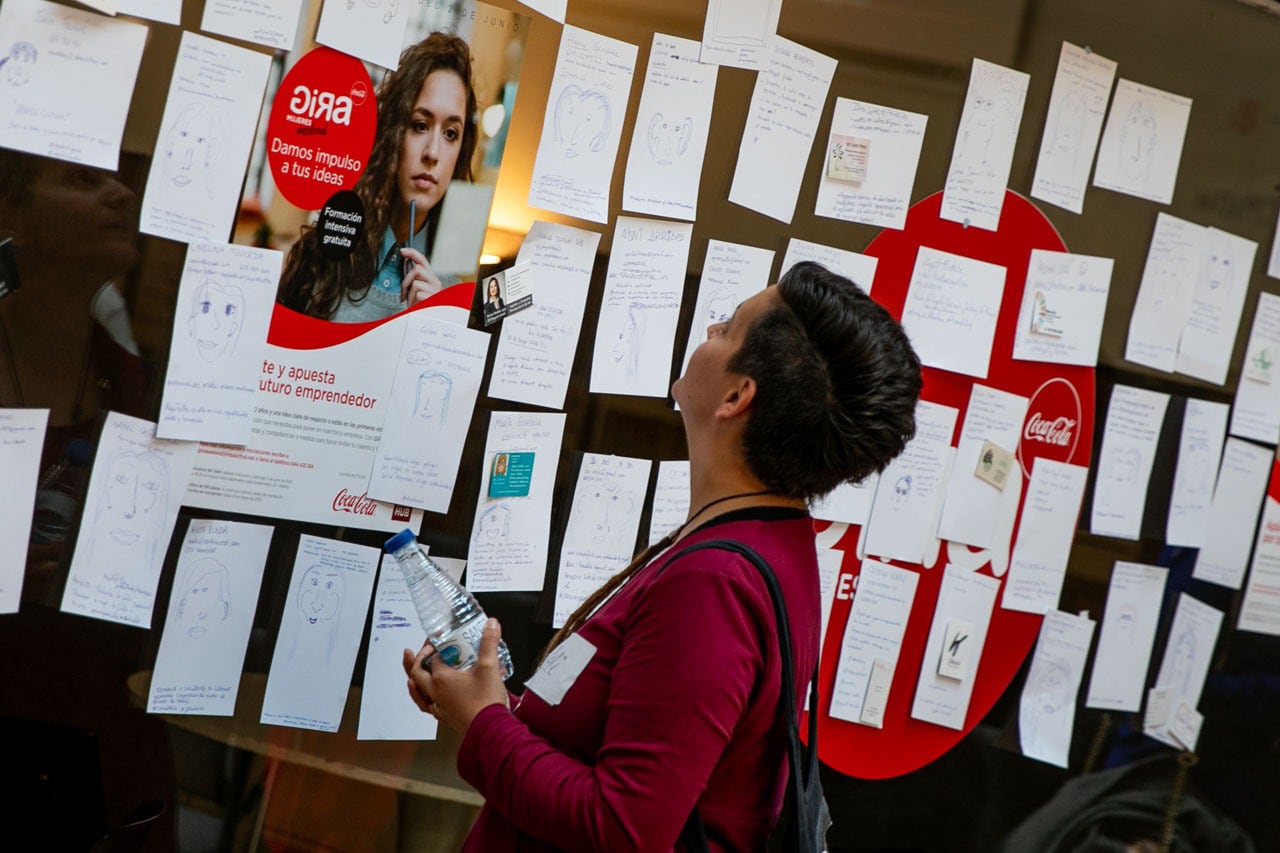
pixel 452 696
pixel 420 281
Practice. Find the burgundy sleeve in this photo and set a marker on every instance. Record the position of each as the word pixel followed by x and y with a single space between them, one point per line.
pixel 684 678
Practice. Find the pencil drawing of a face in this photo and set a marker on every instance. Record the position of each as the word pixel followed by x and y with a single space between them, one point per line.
pixel 582 121
pixel 191 147
pixel 217 313
pixel 18 64
pixel 131 508
pixel 206 597
pixel 320 594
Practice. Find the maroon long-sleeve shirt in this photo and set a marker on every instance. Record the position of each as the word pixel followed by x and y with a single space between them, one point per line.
pixel 679 705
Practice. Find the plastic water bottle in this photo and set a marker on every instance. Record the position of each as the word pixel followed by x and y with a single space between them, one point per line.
pixel 449 614
pixel 60 492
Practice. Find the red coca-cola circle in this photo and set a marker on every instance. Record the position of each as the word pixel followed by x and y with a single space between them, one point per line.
pixel 1055 392
pixel 321 127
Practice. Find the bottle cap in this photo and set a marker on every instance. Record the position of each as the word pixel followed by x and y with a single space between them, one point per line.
pixel 395 543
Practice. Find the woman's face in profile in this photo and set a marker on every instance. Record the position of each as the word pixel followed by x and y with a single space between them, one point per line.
pixel 105 212
pixel 432 141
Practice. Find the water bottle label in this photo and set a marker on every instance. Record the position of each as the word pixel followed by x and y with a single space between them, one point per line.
pixel 460 647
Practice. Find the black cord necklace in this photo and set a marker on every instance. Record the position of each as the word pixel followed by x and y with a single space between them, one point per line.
pixel 709 504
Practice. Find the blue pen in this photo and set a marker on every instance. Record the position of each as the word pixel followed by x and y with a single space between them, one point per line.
pixel 407 263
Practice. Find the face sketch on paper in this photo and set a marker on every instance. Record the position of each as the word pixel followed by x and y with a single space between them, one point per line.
pixel 582 120
pixel 217 314
pixel 743 22
pixel 1220 277
pixel 206 598
pixel 393 7
pixel 1067 138
pixel 604 509
pixel 1194 471
pixel 1049 690
pixel 628 343
pixel 901 492
pixel 17 65
pixel 668 138
pixel 320 596
pixel 1182 662
pixel 131 511
pixel 192 148
pixel 431 399
pixel 1118 470
pixel 494 524
pixel 1138 139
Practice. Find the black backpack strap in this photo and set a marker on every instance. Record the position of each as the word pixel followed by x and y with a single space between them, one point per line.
pixel 802 761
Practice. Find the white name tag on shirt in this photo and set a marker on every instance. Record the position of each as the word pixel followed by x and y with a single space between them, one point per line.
pixel 561 669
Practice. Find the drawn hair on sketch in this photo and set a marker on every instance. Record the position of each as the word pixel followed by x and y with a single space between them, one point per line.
pixel 205 597
pixel 668 139
pixel 217 315
pixel 431 398
pixel 493 525
pixel 605 510
pixel 131 511
pixel 1139 135
pixel 16 66
pixel 193 147
pixel 320 595
pixel 582 120
pixel 629 342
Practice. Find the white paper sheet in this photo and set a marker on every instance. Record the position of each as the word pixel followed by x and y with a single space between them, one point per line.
pixel 782 121
pixel 1164 295
pixel 225 299
pixel 386 711
pixel 1210 334
pixel 1063 306
pixel 1045 531
pixel 970 511
pixel 215 94
pixel 1134 418
pixel 536 348
pixel 847 502
pixel 950 314
pixel 858 268
pixel 1128 631
pixel 881 146
pixel 903 522
pixel 983 152
pixel 1142 142
pixel 1204 427
pixel 162 11
pixel 830 564
pixel 1187 655
pixel 738 32
pixel 1273 264
pixel 66 81
pixel 964 597
pixel 664 165
pixel 1260 607
pixel 1233 518
pixel 438 373
pixel 670 498
pixel 21 437
pixel 874 631
pixel 582 125
pixel 600 537
pixel 641 306
pixel 553 9
pixel 211 608
pixel 1256 412
pixel 273 23
pixel 320 634
pixel 1047 709
pixel 509 534
pixel 731 273
pixel 1077 104
pixel 129 512
pixel 373 31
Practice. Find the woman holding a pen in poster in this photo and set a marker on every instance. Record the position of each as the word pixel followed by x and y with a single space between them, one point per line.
pixel 426 137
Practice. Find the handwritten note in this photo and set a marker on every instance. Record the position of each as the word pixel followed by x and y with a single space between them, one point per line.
pixel 951 310
pixel 1063 306
pixel 737 32
pixel 66 81
pixel 1209 337
pixel 782 121
pixel 319 634
pixel 211 607
pixel 1256 413
pixel 162 11
pixel 858 268
pixel 874 631
pixel 847 502
pixel 130 509
pixel 641 307
pixel 438 375
pixel 891 140
pixel 670 498
pixel 965 598
pixel 193 188
pixel 983 152
pixel 1045 531
pixel 730 274
pixel 1134 419
pixel 1077 104
pixel 509 534
pixel 273 23
pixel 664 166
pixel 21 437
pixel 600 537
pixel 1128 631
pixel 1233 517
pixel 373 32
pixel 1204 427
pixel 1165 292
pixel 583 125
pixel 1047 709
pixel 1142 142
pixel 1187 655
pixel 225 300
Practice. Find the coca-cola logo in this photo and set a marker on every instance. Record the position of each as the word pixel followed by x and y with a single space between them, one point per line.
pixel 360 504
pixel 1052 427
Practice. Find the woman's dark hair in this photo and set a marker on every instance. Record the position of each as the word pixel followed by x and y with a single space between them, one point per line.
pixel 314 284
pixel 836 385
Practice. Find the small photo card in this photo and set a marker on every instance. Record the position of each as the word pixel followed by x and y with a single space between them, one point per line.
pixel 956 643
pixel 510 475
pixel 994 465
pixel 847 160
pixel 507 292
